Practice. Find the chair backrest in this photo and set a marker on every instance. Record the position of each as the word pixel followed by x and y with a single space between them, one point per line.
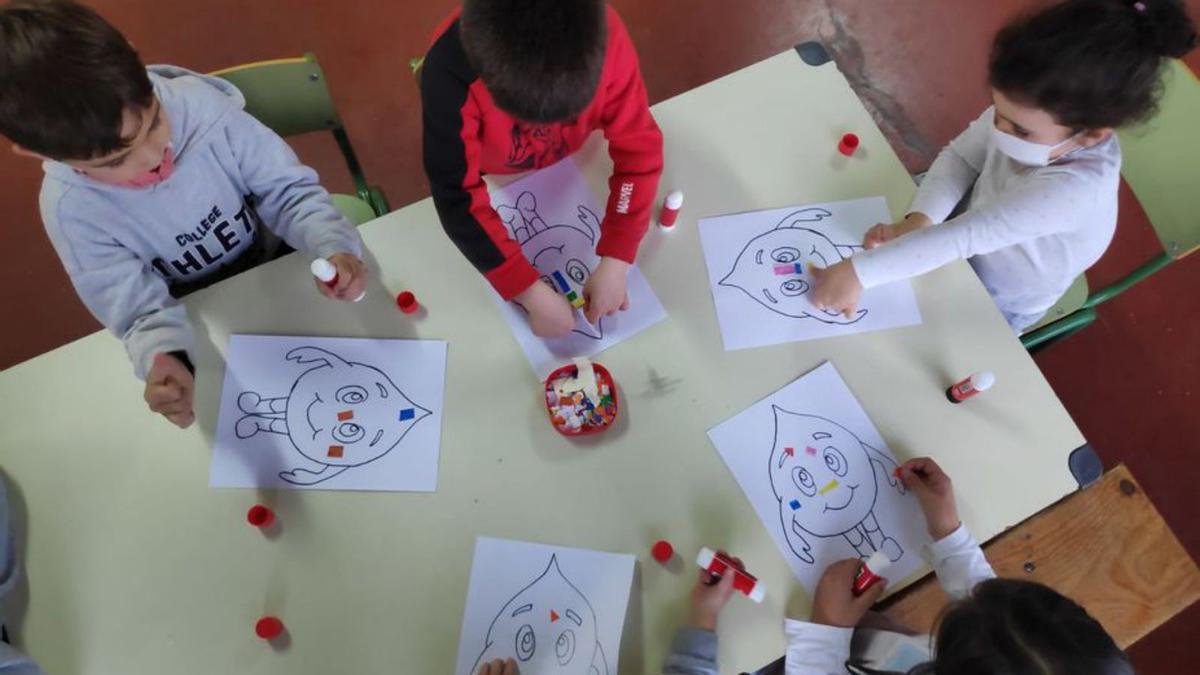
pixel 288 95
pixel 1162 163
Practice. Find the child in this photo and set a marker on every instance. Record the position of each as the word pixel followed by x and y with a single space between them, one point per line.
pixel 12 662
pixel 992 626
pixel 515 85
pixel 155 183
pixel 1043 162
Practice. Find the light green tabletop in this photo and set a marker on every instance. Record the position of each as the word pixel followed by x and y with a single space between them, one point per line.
pixel 136 566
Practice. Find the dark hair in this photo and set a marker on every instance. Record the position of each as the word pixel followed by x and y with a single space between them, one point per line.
pixel 66 78
pixel 540 59
pixel 1017 627
pixel 1092 63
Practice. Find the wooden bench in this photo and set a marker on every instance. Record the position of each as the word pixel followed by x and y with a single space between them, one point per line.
pixel 1105 546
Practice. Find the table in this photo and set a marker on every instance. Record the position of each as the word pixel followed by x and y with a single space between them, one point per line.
pixel 137 566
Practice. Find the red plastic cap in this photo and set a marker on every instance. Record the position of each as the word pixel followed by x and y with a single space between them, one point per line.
pixel 268 628
pixel 662 551
pixel 848 144
pixel 260 516
pixel 407 302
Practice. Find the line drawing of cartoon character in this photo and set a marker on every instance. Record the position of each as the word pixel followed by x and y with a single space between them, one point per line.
pixel 826 482
pixel 568 250
pixel 535 145
pixel 354 411
pixel 789 243
pixel 549 627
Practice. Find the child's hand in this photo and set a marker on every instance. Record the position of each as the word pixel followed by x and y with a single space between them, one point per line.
pixel 835 288
pixel 168 391
pixel 883 232
pixel 498 667
pixel 935 492
pixel 605 291
pixel 709 596
pixel 351 278
pixel 550 315
pixel 834 603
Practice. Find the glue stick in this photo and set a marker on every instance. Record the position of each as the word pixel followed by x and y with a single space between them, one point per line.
pixel 977 383
pixel 327 274
pixel 869 573
pixel 670 210
pixel 718 565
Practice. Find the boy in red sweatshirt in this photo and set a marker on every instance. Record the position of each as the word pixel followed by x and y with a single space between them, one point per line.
pixel 514 85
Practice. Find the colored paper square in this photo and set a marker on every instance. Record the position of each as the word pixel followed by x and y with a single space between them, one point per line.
pixel 407 414
pixel 562 283
pixel 795 504
pixel 345 415
pixel 334 451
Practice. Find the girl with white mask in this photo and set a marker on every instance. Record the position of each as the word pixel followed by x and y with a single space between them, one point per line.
pixel 1040 168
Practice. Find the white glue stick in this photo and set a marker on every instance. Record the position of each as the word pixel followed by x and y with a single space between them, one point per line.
pixel 670 210
pixel 718 565
pixel 326 273
pixel 870 573
pixel 975 384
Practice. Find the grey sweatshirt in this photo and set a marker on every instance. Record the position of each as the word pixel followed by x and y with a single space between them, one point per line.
pixel 12 662
pixel 130 251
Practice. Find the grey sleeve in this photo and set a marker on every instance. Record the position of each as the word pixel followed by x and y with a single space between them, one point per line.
pixel 122 291
pixel 12 662
pixel 693 652
pixel 289 195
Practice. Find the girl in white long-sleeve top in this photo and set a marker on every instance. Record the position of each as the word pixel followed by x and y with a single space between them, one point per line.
pixel 992 626
pixel 1041 166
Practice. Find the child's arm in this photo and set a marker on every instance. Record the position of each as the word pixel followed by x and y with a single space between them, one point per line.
pixel 821 646
pixel 452 163
pixel 694 647
pixel 133 302
pixel 956 557
pixel 954 171
pixel 289 196
pixel 636 146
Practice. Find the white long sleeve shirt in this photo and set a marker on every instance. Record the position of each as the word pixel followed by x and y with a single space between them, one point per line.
pixel 1028 231
pixel 817 649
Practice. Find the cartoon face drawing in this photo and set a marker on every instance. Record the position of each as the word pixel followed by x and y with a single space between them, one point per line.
pixel 339 414
pixel 565 252
pixel 536 145
pixel 790 243
pixel 548 627
pixel 826 482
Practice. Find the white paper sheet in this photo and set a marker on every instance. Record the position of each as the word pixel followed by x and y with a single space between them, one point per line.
pixel 330 413
pixel 555 610
pixel 820 477
pixel 555 217
pixel 756 306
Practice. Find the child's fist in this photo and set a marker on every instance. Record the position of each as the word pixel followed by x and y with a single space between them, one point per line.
pixel 935 492
pixel 498 667
pixel 882 233
pixel 834 603
pixel 351 278
pixel 835 288
pixel 168 392
pixel 605 291
pixel 710 595
pixel 550 315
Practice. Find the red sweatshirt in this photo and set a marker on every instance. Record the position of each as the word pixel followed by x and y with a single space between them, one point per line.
pixel 467 136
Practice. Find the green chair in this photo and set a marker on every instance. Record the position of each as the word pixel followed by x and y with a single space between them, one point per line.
pixel 1161 162
pixel 291 97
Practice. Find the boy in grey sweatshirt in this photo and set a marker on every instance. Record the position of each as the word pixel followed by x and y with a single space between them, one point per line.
pixel 156 182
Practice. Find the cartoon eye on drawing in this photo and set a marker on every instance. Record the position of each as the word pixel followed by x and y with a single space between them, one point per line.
pixel 789 243
pixel 338 414
pixel 568 250
pixel 548 627
pixel 826 481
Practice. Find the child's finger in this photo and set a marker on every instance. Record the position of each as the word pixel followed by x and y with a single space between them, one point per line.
pixel 182 420
pixel 161 394
pixel 176 408
pixel 625 303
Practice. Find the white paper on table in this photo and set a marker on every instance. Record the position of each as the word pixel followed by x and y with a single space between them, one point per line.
pixel 756 306
pixel 553 609
pixel 554 215
pixel 330 413
pixel 821 478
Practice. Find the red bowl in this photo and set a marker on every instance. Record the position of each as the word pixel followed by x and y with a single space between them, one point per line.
pixel 602 377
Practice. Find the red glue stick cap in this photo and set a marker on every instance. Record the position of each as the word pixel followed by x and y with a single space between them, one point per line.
pixel 260 516
pixel 407 302
pixel 268 628
pixel 662 551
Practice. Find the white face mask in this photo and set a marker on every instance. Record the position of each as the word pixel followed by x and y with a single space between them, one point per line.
pixel 1026 152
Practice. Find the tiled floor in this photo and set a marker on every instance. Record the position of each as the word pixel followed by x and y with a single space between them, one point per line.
pixel 1130 380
